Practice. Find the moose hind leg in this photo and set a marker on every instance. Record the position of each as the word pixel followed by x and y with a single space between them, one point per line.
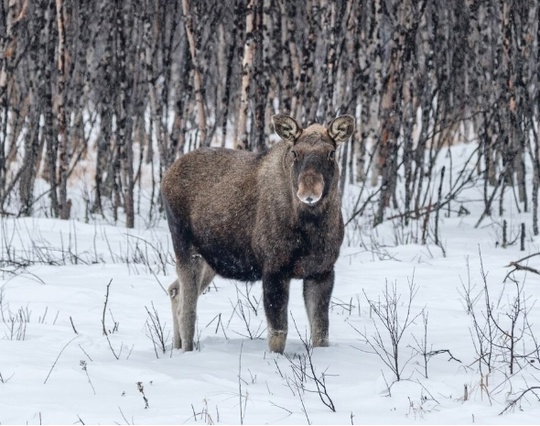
pixel 193 277
pixel 317 294
pixel 276 300
pixel 174 294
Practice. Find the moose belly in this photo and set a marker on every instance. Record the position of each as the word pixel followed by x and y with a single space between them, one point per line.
pixel 233 264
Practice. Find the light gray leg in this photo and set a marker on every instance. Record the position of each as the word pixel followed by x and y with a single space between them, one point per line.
pixel 187 309
pixel 193 277
pixel 317 294
pixel 174 294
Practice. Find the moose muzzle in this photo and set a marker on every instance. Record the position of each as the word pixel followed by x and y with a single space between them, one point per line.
pixel 310 187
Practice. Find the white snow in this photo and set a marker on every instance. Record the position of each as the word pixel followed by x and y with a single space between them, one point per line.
pixel 57 366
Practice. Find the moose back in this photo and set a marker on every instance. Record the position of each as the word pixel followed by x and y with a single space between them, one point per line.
pixel 269 216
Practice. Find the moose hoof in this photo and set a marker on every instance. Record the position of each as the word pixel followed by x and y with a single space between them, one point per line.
pixel 319 339
pixel 187 349
pixel 320 343
pixel 276 340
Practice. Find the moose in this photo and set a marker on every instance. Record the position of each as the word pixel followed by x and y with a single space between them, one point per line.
pixel 270 216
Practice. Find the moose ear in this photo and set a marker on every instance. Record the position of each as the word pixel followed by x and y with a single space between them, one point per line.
pixel 286 127
pixel 341 128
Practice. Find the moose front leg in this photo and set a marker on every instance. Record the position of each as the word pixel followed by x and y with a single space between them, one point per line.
pixel 317 294
pixel 276 301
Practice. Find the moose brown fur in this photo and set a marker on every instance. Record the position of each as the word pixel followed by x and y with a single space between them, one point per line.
pixel 271 216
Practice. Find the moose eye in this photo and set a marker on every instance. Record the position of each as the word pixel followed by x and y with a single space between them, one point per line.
pixel 331 155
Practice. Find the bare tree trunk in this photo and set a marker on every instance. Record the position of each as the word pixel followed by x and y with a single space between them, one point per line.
pixel 30 164
pixel 178 136
pixel 306 96
pixel 105 73
pixel 286 69
pixel 152 37
pixel 241 137
pixel 64 205
pixel 7 45
pixel 124 141
pixel 535 154
pixel 49 129
pixel 388 142
pixel 291 58
pixel 12 112
pixel 333 13
pixel 261 79
pixel 374 90
pixel 197 79
pixel 226 99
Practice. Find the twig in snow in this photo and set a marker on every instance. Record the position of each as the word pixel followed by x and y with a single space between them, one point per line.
pixel 3 381
pixel 57 358
pixel 88 356
pixel 73 325
pixel 519 267
pixel 140 387
pixel 240 383
pixel 85 369
pixel 513 403
pixel 155 329
pixel 105 309
pixel 124 417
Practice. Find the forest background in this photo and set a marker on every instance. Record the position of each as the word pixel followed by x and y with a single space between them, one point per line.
pixel 98 98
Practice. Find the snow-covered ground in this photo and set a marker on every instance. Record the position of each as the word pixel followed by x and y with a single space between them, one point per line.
pixel 58 366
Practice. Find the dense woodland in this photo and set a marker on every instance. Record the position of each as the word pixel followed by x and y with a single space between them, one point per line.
pixel 124 87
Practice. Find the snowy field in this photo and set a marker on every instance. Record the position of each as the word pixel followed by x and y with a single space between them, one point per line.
pixel 83 308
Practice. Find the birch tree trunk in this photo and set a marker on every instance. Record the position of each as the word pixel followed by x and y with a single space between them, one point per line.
pixel 261 79
pixel 104 176
pixel 7 46
pixel 64 205
pixel 124 124
pixel 197 79
pixel 241 137
pixel 231 56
